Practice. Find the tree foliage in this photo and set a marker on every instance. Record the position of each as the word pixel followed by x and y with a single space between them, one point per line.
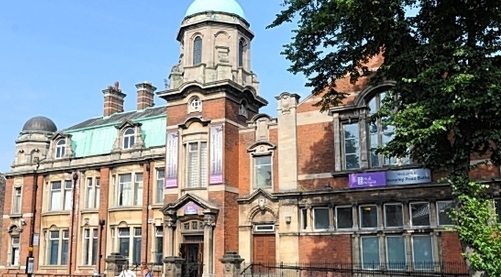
pixel 444 57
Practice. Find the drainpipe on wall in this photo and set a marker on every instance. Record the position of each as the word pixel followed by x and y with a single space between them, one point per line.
pixel 72 219
pixel 30 261
pixel 148 173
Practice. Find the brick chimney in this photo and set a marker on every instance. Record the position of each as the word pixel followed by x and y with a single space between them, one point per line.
pixel 145 95
pixel 113 100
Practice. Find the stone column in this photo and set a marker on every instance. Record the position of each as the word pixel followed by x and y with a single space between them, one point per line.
pixel 232 264
pixel 209 223
pixel 170 224
pixel 173 266
pixel 115 263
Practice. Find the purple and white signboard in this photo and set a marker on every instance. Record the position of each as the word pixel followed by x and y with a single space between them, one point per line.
pixel 171 150
pixel 216 154
pixel 367 180
pixel 190 208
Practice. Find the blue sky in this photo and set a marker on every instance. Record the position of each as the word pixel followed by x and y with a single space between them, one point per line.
pixel 57 56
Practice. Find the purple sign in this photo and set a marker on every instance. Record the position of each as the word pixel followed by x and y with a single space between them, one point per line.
pixel 190 208
pixel 367 180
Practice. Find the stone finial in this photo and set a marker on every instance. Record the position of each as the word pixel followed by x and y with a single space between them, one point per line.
pixel 232 264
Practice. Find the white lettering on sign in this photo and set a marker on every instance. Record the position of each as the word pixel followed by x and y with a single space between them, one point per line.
pixel 408 177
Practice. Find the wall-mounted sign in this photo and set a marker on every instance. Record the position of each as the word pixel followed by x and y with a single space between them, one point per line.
pixel 216 154
pixel 190 208
pixel 366 180
pixel 408 177
pixel 171 152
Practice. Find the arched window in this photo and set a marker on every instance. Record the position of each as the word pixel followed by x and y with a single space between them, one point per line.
pixel 197 51
pixel 60 148
pixel 241 47
pixel 195 105
pixel 128 138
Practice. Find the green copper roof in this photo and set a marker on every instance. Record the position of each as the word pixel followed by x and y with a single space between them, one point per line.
pixel 227 6
pixel 96 136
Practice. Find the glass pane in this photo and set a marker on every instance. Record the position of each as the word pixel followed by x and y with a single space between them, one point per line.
pixel 262 171
pixel 55 203
pixel 197 51
pixel 136 259
pixel 420 213
pixel 444 208
pixel 138 189
pixel 395 248
pixel 64 252
pixel 393 215
pixel 94 250
pixel 344 218
pixel 321 218
pixel 53 251
pixel 351 146
pixel 124 244
pixel 373 106
pixel 203 165
pixel 370 253
pixel 422 252
pixel 368 216
pixel 159 250
pixel 304 218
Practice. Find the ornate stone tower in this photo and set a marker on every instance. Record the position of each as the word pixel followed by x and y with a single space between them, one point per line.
pixel 211 94
pixel 33 142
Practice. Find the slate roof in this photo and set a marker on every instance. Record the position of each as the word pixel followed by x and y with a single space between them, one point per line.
pixel 119 118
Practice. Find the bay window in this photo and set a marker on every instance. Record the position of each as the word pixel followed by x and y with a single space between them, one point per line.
pixel 57 250
pixel 129 243
pixel 60 198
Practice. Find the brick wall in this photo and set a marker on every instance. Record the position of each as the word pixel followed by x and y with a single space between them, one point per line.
pixel 325 249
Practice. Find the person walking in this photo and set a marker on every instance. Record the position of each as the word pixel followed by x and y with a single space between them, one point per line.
pixel 126 272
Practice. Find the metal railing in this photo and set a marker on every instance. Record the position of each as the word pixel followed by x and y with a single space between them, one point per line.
pixel 354 270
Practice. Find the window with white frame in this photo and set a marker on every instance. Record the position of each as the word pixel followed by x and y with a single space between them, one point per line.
pixel 321 218
pixel 395 252
pixel 16 200
pixel 58 243
pixel 393 215
pixel 195 104
pixel 128 138
pixel 159 244
pixel 197 169
pixel 351 146
pixel 444 209
pixel 129 244
pixel 160 183
pixel 60 198
pixel 497 209
pixel 370 255
pixel 129 190
pixel 138 189
pixel 420 214
pixel 197 50
pixel 368 216
pixel 15 250
pixel 263 171
pixel 304 219
pixel 344 217
pixel 60 148
pixel 92 192
pixel 90 246
pixel 422 252
pixel 241 52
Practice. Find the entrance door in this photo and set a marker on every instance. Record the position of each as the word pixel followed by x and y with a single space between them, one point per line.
pixel 264 249
pixel 193 254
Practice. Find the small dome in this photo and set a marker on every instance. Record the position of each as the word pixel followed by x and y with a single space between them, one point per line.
pixel 226 6
pixel 41 124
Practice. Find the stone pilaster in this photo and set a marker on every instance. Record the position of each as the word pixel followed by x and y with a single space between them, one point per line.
pixel 287 141
pixel 209 223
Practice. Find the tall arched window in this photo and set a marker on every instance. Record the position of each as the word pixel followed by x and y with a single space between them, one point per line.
pixel 60 148
pixel 241 53
pixel 197 51
pixel 128 138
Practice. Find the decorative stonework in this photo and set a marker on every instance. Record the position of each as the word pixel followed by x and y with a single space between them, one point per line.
pixel 287 102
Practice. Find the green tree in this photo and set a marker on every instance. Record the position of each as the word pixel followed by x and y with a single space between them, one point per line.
pixel 444 59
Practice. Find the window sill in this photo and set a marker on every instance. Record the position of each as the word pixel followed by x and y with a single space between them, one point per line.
pixel 190 189
pixel 56 213
pixel 54 267
pixel 346 172
pixel 125 208
pixel 157 205
pixel 88 210
pixel 16 215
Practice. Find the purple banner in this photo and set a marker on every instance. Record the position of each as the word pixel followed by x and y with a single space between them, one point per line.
pixel 216 154
pixel 367 180
pixel 190 208
pixel 171 151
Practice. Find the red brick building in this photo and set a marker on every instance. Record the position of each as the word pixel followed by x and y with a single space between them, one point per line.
pixel 208 173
